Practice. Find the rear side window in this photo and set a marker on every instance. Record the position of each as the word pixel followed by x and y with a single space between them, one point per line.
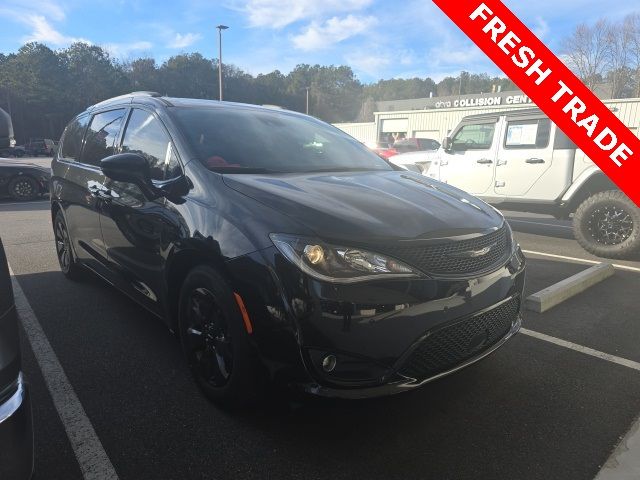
pixel 72 139
pixel 146 135
pixel 528 134
pixel 101 136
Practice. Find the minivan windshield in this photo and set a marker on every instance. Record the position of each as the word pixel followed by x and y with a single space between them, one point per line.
pixel 248 140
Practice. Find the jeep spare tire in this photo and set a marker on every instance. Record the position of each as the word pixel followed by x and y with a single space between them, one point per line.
pixel 607 224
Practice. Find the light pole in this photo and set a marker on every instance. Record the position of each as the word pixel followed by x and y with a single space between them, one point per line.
pixel 220 29
pixel 308 100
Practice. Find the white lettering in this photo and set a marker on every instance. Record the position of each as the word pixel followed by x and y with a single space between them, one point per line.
pixel 576 106
pixel 496 26
pixel 535 68
pixel 479 12
pixel 589 124
pixel 524 52
pixel 509 40
pixel 607 132
pixel 563 89
pixel 622 152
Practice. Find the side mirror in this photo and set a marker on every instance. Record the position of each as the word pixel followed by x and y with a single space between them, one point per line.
pixel 447 144
pixel 131 168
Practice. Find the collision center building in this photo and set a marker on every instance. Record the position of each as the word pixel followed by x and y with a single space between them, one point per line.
pixel 435 117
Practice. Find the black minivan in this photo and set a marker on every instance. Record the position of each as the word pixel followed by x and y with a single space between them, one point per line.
pixel 281 249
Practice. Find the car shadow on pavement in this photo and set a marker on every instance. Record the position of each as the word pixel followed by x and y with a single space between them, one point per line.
pixel 525 225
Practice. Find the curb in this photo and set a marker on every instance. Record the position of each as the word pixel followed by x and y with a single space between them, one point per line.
pixel 555 294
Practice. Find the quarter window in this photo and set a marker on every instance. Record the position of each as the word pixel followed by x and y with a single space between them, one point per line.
pixel 72 139
pixel 528 134
pixel 474 137
pixel 146 136
pixel 101 136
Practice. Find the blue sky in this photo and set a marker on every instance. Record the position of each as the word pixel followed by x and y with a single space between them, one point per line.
pixel 377 38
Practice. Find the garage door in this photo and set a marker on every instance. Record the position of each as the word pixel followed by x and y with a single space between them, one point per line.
pixel 392 125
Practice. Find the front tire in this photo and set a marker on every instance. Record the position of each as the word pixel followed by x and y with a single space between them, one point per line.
pixel 23 188
pixel 215 341
pixel 68 263
pixel 607 225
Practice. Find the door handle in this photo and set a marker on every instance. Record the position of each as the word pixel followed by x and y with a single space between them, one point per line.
pixel 534 160
pixel 485 161
pixel 444 162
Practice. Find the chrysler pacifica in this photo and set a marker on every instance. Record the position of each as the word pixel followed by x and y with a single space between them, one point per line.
pixel 280 249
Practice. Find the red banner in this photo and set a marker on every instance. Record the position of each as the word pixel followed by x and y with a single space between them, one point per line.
pixel 553 87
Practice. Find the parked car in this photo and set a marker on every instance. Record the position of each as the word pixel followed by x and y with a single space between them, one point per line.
pixel 409 145
pixel 23 181
pixel 16 425
pixel 7 142
pixel 519 160
pixel 296 255
pixel 40 146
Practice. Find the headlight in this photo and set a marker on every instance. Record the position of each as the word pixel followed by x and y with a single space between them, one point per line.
pixel 332 263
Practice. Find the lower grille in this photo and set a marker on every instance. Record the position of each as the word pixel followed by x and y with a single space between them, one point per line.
pixel 453 344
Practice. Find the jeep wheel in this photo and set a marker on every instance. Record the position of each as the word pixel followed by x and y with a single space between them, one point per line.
pixel 607 224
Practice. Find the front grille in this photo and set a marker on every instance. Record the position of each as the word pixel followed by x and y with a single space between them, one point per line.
pixel 453 344
pixel 456 257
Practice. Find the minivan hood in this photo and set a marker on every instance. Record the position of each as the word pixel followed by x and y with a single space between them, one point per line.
pixel 369 207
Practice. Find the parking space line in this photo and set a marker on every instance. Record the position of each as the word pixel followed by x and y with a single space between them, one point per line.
pixel 90 454
pixel 582 349
pixel 624 462
pixel 25 203
pixel 581 260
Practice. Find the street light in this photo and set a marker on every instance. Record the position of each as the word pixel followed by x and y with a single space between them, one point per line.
pixel 308 100
pixel 220 29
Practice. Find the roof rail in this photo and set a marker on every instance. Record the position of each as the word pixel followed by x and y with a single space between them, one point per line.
pixel 143 93
pixel 128 96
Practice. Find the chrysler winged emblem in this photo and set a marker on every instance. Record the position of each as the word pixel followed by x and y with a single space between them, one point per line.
pixel 473 253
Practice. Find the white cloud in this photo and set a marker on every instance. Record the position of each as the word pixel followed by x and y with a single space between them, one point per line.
pixel 280 13
pixel 44 32
pixel 541 28
pixel 179 40
pixel 124 50
pixel 20 8
pixel 317 36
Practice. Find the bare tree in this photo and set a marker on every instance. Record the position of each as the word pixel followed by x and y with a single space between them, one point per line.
pixel 632 27
pixel 587 50
pixel 617 57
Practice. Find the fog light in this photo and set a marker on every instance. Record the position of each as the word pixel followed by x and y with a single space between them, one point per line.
pixel 329 363
pixel 314 253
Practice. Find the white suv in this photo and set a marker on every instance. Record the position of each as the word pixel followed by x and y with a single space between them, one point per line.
pixel 520 160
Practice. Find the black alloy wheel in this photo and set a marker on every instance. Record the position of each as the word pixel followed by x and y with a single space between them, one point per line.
pixel 23 188
pixel 208 342
pixel 607 224
pixel 64 252
pixel 215 341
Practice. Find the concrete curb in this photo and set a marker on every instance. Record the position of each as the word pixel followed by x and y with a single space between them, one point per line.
pixel 555 294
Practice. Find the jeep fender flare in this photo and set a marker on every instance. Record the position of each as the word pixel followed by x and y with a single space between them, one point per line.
pixel 589 182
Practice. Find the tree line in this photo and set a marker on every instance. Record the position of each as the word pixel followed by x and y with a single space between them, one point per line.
pixel 44 88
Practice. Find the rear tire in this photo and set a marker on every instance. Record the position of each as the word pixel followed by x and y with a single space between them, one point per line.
pixel 68 263
pixel 23 187
pixel 607 225
pixel 215 341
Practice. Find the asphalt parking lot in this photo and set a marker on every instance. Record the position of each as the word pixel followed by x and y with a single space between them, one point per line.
pixel 533 410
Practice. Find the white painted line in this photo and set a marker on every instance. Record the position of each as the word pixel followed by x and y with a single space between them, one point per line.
pixel 581 260
pixel 93 460
pixel 624 462
pixel 38 202
pixel 538 223
pixel 569 287
pixel 582 349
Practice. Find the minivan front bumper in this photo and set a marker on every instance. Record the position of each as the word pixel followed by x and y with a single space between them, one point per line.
pixel 384 337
